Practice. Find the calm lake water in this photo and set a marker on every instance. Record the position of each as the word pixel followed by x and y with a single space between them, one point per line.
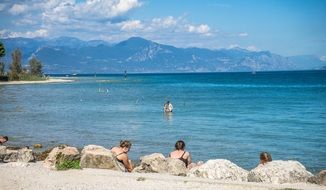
pixel 233 116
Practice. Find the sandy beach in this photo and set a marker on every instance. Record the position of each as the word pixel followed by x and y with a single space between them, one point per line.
pixel 33 176
pixel 50 80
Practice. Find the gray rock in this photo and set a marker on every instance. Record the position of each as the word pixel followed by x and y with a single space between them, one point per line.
pixel 3 149
pixel 219 169
pixel 94 156
pixel 59 155
pixel 279 172
pixel 176 167
pixel 319 179
pixel 157 163
pixel 25 155
pixel 154 163
pixel 20 155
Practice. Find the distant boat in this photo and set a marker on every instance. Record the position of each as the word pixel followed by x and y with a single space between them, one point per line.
pixel 253 72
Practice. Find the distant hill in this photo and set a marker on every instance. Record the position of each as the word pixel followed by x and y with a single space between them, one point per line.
pixel 71 55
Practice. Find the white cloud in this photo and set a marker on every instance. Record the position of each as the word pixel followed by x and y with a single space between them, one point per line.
pixel 2 6
pixel 164 22
pixel 125 5
pixel 18 9
pixel 244 34
pixel 323 58
pixel 132 25
pixel 201 29
pixel 28 34
pixel 88 10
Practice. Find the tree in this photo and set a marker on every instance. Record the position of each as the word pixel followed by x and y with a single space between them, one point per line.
pixel 2 68
pixel 35 67
pixel 2 50
pixel 15 66
pixel 2 54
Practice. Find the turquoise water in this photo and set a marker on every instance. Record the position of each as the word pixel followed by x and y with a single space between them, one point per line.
pixel 219 115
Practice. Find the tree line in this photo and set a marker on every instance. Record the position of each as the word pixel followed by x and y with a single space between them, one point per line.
pixel 16 71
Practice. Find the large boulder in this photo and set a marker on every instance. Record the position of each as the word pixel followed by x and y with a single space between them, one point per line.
pixel 59 155
pixel 18 155
pixel 176 167
pixel 154 163
pixel 219 169
pixel 319 179
pixel 157 163
pixel 279 172
pixel 3 150
pixel 94 156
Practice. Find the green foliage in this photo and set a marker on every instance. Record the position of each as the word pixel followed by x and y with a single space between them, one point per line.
pixel 2 68
pixel 2 50
pixel 16 66
pixel 2 54
pixel 30 77
pixel 68 164
pixel 35 67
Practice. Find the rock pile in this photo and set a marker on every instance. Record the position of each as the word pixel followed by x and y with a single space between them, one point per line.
pixel 61 154
pixel 18 155
pixel 94 156
pixel 279 172
pixel 319 179
pixel 219 169
pixel 157 163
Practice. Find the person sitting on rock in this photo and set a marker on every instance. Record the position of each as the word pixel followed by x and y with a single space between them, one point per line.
pixel 265 157
pixel 121 154
pixel 3 139
pixel 180 153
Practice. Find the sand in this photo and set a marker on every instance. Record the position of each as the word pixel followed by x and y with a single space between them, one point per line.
pixel 50 80
pixel 33 176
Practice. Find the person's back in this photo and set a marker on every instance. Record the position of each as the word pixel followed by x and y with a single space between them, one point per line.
pixel 121 154
pixel 180 153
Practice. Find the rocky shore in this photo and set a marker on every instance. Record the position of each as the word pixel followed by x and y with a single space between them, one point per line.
pixel 96 168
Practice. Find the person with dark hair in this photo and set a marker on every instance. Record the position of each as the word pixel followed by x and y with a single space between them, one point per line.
pixel 121 154
pixel 180 153
pixel 168 107
pixel 265 157
pixel 3 139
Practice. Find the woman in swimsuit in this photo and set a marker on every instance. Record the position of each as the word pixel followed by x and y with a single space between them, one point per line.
pixel 180 153
pixel 121 154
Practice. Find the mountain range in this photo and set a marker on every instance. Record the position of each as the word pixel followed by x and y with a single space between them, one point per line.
pixel 137 55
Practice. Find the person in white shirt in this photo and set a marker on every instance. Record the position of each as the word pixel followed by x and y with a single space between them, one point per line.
pixel 168 107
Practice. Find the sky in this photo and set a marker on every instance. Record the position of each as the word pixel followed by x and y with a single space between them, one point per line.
pixel 285 27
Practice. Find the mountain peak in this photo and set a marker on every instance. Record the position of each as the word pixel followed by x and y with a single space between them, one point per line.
pixel 135 42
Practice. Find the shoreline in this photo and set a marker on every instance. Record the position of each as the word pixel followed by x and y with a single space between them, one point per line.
pixel 136 161
pixel 50 80
pixel 34 176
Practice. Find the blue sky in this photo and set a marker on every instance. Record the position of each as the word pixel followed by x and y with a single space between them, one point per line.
pixel 286 27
